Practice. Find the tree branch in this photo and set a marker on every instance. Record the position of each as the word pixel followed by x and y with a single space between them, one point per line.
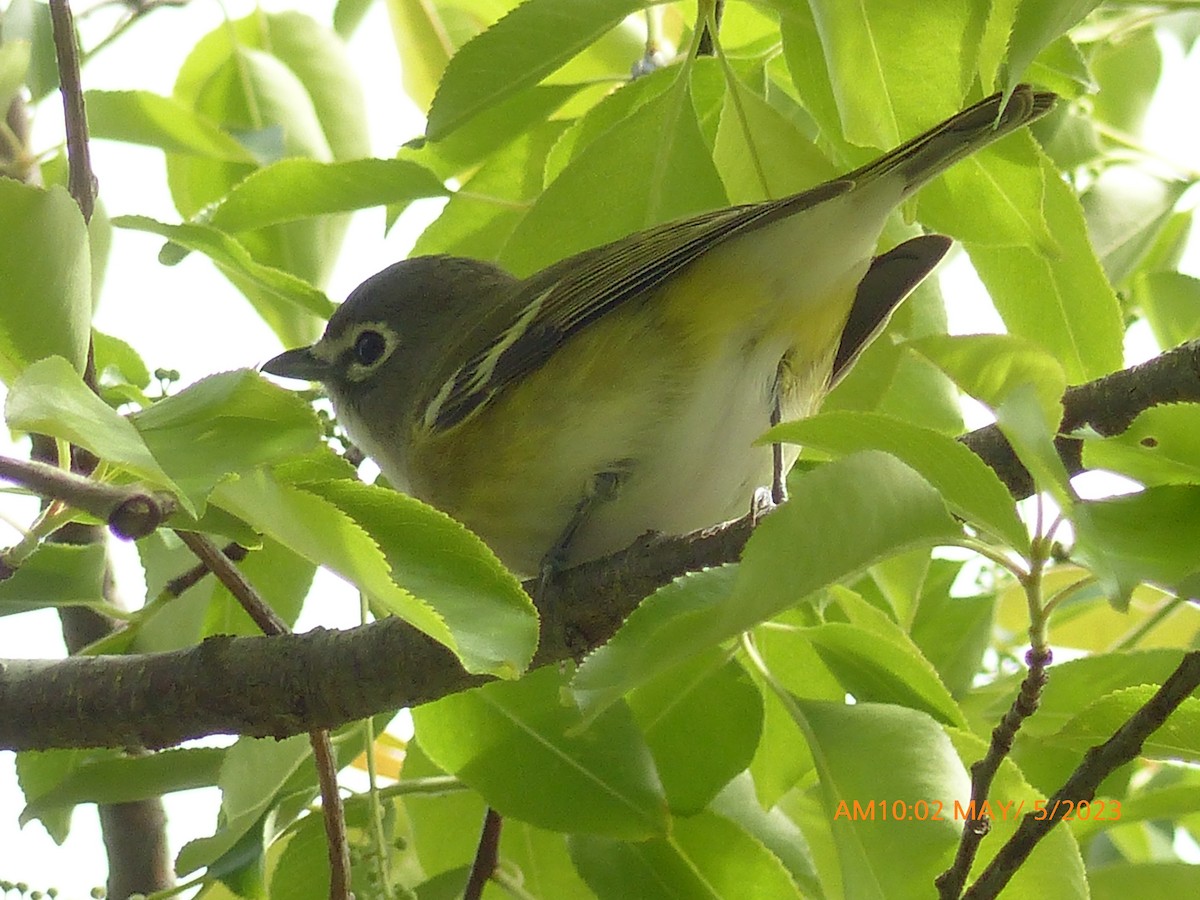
pixel 290 684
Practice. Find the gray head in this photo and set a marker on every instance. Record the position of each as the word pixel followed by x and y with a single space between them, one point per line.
pixel 390 346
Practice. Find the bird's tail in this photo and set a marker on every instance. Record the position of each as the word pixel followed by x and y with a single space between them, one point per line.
pixel 928 154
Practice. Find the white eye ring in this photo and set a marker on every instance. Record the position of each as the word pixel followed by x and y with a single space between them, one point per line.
pixel 369 347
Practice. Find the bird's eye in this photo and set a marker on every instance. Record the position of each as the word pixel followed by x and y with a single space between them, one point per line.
pixel 369 347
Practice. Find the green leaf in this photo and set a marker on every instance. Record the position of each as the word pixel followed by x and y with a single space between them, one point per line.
pixel 1036 26
pixel 253 773
pixel 50 398
pixel 45 294
pixel 518 51
pixel 1178 738
pixel 1020 419
pixel 1171 304
pixel 317 530
pixel 483 137
pixel 14 66
pixel 479 219
pixel 992 367
pixel 1121 881
pixel 300 188
pixel 705 856
pixel 1058 299
pixel 888 832
pixel 436 560
pixel 520 746
pixel 41 771
pixel 116 355
pixel 877 662
pixel 760 153
pixel 706 701
pixel 141 117
pixel 288 293
pixel 126 779
pixel 423 45
pixel 965 482
pixel 871 47
pixel 651 167
pixel 55 575
pixel 28 21
pixel 1162 446
pixel 994 198
pixel 1073 685
pixel 1125 209
pixel 771 827
pixel 224 424
pixel 873 506
pixel 1055 865
pixel 952 631
pixel 1150 536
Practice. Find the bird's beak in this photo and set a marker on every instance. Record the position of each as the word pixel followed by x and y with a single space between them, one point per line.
pixel 300 363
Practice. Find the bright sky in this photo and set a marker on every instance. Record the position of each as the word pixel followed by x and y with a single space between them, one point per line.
pixel 167 314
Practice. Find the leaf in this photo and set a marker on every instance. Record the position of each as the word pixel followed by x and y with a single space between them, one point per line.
pixel 223 424
pixel 1178 738
pixel 14 67
pixel 127 779
pixel 1125 209
pixel 253 773
pixel 505 738
pixel 965 482
pixel 518 51
pixel 1162 446
pixel 888 832
pixel 435 559
pixel 1121 880
pixel 478 220
pixel 294 189
pixel 1150 536
pixel 45 294
pixel 760 153
pixel 1055 864
pixel 317 530
pixel 1036 26
pixel 50 398
pixel 423 45
pixel 705 856
pixel 141 117
pixel 1171 304
pixel 871 47
pixel 879 664
pixel 28 21
pixel 992 367
pixel 871 506
pixel 706 701
pixel 1060 301
pixel 55 575
pixel 651 167
pixel 287 292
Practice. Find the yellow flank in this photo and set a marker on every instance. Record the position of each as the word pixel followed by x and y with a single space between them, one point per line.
pixel 629 388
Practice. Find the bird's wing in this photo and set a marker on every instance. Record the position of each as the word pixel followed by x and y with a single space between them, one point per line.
pixel 891 277
pixel 565 298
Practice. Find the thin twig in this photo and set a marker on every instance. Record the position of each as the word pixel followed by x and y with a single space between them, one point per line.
pixel 270 623
pixel 1099 762
pixel 80 180
pixel 335 816
pixel 131 512
pixel 182 582
pixel 486 856
pixel 977 824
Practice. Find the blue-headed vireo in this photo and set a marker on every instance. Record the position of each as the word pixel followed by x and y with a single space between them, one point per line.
pixel 621 390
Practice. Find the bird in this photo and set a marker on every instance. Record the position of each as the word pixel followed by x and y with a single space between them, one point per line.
pixel 622 390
